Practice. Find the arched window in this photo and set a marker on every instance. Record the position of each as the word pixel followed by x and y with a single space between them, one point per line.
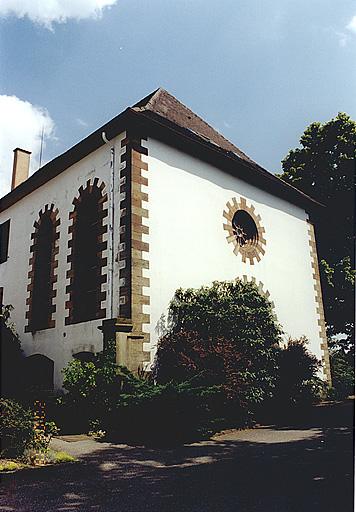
pixel 39 371
pixel 86 259
pixel 42 271
pixel 84 357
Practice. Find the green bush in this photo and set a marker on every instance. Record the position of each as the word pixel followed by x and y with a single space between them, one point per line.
pixel 164 414
pixel 297 386
pixel 16 428
pixel 24 430
pixel 93 389
pixel 12 357
pixel 222 335
pixel 96 382
pixel 104 397
pixel 343 376
pixel 297 375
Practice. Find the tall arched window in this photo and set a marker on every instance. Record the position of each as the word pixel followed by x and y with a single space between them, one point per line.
pixel 86 258
pixel 42 271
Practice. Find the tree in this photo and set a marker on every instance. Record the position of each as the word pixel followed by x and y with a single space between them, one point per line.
pixel 343 376
pixel 324 168
pixel 222 335
pixel 297 375
pixel 12 357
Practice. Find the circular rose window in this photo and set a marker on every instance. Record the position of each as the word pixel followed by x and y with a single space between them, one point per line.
pixel 245 230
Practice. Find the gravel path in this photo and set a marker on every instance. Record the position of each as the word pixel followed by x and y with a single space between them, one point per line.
pixel 289 468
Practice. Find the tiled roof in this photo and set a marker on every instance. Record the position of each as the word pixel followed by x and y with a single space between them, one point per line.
pixel 162 103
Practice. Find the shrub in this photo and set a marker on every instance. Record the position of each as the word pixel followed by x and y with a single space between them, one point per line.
pixel 43 430
pixel 164 414
pixel 93 388
pixel 224 335
pixel 109 399
pixel 24 432
pixel 16 428
pixel 298 383
pixel 343 376
pixel 12 358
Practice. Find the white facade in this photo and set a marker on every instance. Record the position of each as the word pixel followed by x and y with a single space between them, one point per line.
pixel 185 198
pixel 62 341
pixel 188 245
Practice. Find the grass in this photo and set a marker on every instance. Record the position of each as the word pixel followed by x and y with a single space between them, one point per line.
pixel 52 457
pixel 10 465
pixel 60 457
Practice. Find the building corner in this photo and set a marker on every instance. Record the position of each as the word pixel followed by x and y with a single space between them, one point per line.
pixel 130 327
pixel 319 304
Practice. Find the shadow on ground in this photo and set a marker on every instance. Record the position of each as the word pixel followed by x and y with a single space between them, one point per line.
pixel 300 467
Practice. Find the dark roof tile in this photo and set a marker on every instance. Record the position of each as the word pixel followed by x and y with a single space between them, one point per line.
pixel 162 103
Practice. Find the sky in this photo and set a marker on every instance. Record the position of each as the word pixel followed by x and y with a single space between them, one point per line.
pixel 259 71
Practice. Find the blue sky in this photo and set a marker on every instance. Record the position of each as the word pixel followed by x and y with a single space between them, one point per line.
pixel 258 71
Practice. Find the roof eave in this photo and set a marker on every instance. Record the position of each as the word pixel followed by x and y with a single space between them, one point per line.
pixel 70 157
pixel 174 135
pixel 234 163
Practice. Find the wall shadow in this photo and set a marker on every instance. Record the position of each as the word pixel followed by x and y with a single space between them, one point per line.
pixel 313 474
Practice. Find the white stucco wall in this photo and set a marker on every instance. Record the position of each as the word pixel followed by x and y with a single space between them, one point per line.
pixel 188 246
pixel 60 342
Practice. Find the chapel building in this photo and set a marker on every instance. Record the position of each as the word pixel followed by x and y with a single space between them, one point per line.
pixel 96 242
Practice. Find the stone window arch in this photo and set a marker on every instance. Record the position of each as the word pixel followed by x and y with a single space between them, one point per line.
pixel 86 258
pixel 43 267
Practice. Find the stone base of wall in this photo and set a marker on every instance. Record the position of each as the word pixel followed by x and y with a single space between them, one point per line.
pixel 129 348
pixel 129 345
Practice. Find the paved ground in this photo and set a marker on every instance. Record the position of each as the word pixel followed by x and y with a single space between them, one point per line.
pixel 307 466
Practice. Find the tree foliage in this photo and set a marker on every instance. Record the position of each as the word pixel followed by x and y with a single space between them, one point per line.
pixel 132 408
pixel 224 335
pixel 324 168
pixel 16 428
pixel 12 357
pixel 343 376
pixel 23 431
pixel 297 381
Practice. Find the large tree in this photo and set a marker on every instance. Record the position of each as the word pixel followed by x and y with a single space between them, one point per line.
pixel 324 168
pixel 222 335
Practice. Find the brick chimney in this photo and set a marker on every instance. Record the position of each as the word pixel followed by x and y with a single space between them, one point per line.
pixel 21 167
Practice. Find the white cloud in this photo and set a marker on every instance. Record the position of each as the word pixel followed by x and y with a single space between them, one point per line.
pixel 81 123
pixel 45 12
pixel 343 39
pixel 21 125
pixel 352 24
